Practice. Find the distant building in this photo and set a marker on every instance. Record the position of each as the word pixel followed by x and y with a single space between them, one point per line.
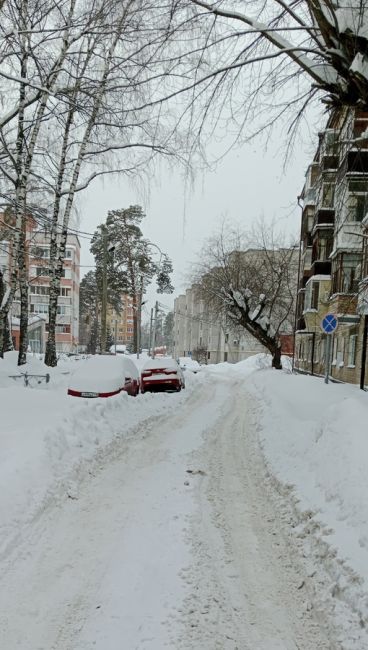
pixel 196 333
pixel 121 323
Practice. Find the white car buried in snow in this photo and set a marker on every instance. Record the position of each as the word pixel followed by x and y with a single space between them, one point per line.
pixel 104 376
pixel 187 363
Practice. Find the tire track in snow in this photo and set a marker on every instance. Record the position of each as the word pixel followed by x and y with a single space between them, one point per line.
pixel 90 571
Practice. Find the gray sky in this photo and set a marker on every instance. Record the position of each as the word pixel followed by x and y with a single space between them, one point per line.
pixel 247 183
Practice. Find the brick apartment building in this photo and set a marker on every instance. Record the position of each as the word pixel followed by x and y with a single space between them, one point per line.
pixel 38 256
pixel 121 323
pixel 334 250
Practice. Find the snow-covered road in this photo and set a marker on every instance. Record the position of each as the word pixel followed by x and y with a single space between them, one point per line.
pixel 174 540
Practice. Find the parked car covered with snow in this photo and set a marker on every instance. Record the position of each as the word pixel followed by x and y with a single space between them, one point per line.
pixel 187 363
pixel 104 376
pixel 163 374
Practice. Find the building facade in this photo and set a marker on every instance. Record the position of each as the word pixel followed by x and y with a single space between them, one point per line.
pixel 333 275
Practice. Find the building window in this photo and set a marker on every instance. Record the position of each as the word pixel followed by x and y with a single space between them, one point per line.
pixel 315 295
pixel 39 290
pixel 352 349
pixel 322 248
pixel 346 273
pixel 45 271
pixel 311 295
pixel 328 191
pixel 208 355
pixel 334 351
pixel 65 291
pixel 340 352
pixel 63 329
pixel 42 271
pixel 68 253
pixel 357 200
pixel 39 309
pixel 40 252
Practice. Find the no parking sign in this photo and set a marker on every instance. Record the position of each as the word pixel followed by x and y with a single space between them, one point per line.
pixel 329 325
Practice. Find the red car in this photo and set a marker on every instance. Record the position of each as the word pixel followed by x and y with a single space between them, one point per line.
pixel 161 375
pixel 104 376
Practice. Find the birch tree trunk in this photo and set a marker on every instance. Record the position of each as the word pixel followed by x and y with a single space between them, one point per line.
pixel 19 271
pixel 58 262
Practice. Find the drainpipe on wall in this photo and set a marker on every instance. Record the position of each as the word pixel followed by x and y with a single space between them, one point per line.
pixel 297 285
pixel 364 353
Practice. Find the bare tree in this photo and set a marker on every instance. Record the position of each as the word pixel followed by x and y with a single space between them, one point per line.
pixel 78 82
pixel 252 62
pixel 250 280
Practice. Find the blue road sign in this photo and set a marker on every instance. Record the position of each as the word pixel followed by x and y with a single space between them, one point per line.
pixel 329 323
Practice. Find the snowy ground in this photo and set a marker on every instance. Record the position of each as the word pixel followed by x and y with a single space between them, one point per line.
pixel 231 516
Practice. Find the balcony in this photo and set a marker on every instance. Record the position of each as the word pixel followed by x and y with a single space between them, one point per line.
pixel 349 236
pixel 324 217
pixel 355 162
pixel 321 267
pixel 329 162
pixel 307 259
pixel 341 303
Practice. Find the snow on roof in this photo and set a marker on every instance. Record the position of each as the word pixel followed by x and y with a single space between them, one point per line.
pixel 162 362
pixel 318 278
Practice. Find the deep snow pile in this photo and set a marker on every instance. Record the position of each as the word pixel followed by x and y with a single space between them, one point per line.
pixel 46 437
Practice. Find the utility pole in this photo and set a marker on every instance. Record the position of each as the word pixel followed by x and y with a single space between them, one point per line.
pixel 139 315
pixel 154 329
pixel 150 334
pixel 104 288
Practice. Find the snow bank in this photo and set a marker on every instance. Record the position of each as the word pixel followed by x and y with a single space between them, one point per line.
pixel 6 373
pixel 46 437
pixel 245 367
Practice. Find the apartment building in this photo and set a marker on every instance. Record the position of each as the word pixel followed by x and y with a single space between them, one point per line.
pixel 195 329
pixel 38 260
pixel 121 324
pixel 333 274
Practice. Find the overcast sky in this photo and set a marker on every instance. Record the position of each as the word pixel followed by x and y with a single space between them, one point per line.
pixel 249 182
